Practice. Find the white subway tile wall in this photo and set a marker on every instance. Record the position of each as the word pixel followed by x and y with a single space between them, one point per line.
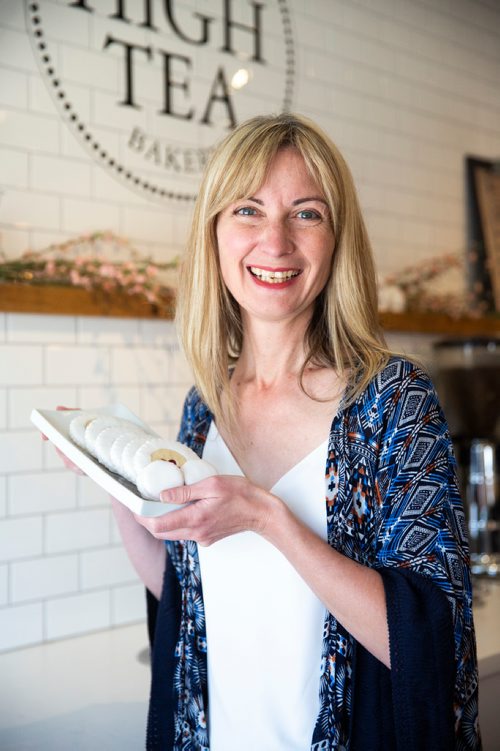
pixel 21 625
pixel 127 604
pixel 3 408
pixel 405 88
pixel 4 584
pixel 40 578
pixel 77 614
pixel 62 564
pixel 106 568
pixel 41 492
pixel 3 496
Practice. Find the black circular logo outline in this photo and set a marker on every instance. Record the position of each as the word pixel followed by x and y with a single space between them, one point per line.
pixel 119 171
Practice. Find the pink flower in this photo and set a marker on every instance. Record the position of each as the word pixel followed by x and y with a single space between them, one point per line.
pixel 75 278
pixel 108 270
pixel 86 283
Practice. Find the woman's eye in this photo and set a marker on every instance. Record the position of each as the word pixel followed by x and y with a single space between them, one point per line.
pixel 308 214
pixel 246 211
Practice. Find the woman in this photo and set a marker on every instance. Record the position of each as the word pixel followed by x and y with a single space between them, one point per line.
pixel 286 622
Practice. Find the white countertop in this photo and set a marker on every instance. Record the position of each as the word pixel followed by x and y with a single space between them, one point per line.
pixel 487 618
pixel 85 693
pixel 92 691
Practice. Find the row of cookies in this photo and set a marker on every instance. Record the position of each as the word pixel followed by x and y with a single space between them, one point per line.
pixel 153 464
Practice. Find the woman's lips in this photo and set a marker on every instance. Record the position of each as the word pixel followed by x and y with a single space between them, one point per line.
pixel 273 277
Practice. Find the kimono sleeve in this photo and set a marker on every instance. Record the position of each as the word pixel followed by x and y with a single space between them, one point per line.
pixel 422 533
pixel 195 422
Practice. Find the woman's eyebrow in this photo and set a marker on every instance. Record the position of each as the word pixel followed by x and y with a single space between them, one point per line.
pixel 309 198
pixel 294 203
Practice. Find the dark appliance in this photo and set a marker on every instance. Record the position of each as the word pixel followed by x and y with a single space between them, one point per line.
pixel 468 382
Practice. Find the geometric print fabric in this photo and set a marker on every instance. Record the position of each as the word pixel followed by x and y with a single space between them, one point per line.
pixel 392 500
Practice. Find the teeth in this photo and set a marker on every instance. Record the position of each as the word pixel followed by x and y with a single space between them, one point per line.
pixel 273 277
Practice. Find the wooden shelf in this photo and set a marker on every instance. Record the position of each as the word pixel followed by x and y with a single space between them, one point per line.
pixel 45 299
pixel 76 301
pixel 438 323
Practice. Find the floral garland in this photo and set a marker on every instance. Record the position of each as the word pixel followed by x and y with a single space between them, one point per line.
pixel 87 262
pixel 409 290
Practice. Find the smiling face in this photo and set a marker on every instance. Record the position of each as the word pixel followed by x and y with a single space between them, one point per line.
pixel 276 246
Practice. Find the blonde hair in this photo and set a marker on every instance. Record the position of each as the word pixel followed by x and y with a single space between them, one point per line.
pixel 344 331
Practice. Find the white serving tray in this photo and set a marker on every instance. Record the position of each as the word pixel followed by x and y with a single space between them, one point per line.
pixel 55 425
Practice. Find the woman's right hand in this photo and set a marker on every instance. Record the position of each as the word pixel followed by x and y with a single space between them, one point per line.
pixel 68 463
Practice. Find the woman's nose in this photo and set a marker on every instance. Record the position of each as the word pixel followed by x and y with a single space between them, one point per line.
pixel 276 239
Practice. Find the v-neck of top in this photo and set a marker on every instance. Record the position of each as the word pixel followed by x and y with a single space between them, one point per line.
pixel 247 586
pixel 230 465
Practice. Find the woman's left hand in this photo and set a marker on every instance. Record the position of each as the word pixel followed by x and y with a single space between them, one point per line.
pixel 217 507
pixel 225 505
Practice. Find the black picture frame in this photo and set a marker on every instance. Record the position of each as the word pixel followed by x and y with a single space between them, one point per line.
pixel 482 263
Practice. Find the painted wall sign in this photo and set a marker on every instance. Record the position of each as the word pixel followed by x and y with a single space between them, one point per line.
pixel 148 86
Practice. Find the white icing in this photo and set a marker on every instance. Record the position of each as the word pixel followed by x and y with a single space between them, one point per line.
pixel 78 425
pixel 157 476
pixel 104 443
pixel 195 470
pixel 116 451
pixel 144 455
pixel 128 455
pixel 94 428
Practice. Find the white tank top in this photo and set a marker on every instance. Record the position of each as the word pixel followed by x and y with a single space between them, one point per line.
pixel 264 624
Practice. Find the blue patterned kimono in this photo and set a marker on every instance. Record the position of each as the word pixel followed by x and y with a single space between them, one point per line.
pixel 392 503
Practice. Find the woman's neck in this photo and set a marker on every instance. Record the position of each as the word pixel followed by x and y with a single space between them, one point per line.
pixel 273 352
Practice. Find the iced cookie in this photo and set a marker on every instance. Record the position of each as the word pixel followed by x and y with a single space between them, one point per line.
pixel 118 447
pixel 106 440
pixel 156 476
pixel 147 463
pixel 160 449
pixel 197 469
pixel 128 470
pixel 78 426
pixel 94 428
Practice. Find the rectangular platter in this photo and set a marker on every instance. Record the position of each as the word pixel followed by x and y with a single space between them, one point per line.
pixel 54 424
